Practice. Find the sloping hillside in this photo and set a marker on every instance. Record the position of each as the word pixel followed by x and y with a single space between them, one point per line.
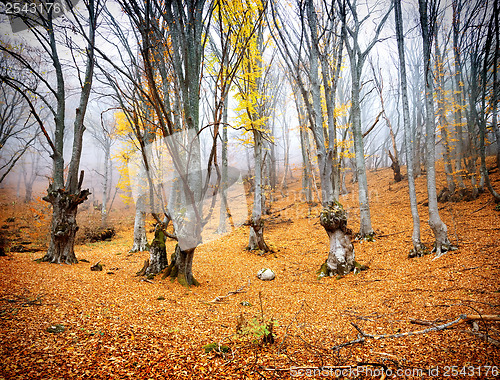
pixel 117 325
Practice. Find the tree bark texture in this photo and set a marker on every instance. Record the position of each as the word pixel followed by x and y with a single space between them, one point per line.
pixel 256 239
pixel 340 259
pixel 439 229
pixel 365 228
pixel 140 240
pixel 157 253
pixel 63 227
pixel 181 267
pixel 418 247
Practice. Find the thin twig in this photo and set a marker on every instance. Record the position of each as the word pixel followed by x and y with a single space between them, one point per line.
pixel 480 208
pixel 360 339
pixel 484 337
pixel 394 233
pixel 322 368
pixel 290 324
pixel 239 290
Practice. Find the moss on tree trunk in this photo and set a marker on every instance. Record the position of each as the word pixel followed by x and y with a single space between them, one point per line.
pixel 157 253
pixel 181 266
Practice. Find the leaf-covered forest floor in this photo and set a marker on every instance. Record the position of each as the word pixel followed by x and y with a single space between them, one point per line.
pixel 118 326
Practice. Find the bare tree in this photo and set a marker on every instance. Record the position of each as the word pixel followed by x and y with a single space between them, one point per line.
pixel 64 194
pixel 395 164
pixel 443 121
pixel 169 47
pixel 418 247
pixel 488 65
pixel 104 134
pixel 496 86
pixel 18 130
pixel 30 171
pixel 304 51
pixel 357 58
pixel 428 17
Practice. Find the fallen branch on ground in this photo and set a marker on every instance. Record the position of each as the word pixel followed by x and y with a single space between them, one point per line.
pixel 221 298
pixel 460 319
pixel 323 368
pixel 480 208
pixel 393 233
pixel 283 208
pixel 484 337
pixel 362 336
pixel 360 339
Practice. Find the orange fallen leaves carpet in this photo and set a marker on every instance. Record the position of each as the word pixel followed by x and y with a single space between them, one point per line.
pixel 117 326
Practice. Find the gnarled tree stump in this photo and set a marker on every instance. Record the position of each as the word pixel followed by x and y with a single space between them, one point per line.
pixel 340 259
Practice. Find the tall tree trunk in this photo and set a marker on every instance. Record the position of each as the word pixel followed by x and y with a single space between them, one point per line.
pixel 63 226
pixel 256 239
pixel 357 59
pixel 482 119
pixel 458 95
pixel 324 158
pixel 472 123
pixel 484 169
pixel 304 147
pixel 273 167
pixel 418 247
pixel 365 228
pixel 439 229
pixel 286 154
pixel 496 89
pixel 28 195
pixel 66 198
pixel 140 240
pixel 417 134
pixel 306 164
pixel 443 122
pixel 105 188
pixel 224 180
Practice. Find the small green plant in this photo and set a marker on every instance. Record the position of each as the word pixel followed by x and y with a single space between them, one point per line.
pixel 260 330
pixel 497 207
pixel 216 347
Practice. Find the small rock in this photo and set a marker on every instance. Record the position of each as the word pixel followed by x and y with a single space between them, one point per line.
pixel 266 274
